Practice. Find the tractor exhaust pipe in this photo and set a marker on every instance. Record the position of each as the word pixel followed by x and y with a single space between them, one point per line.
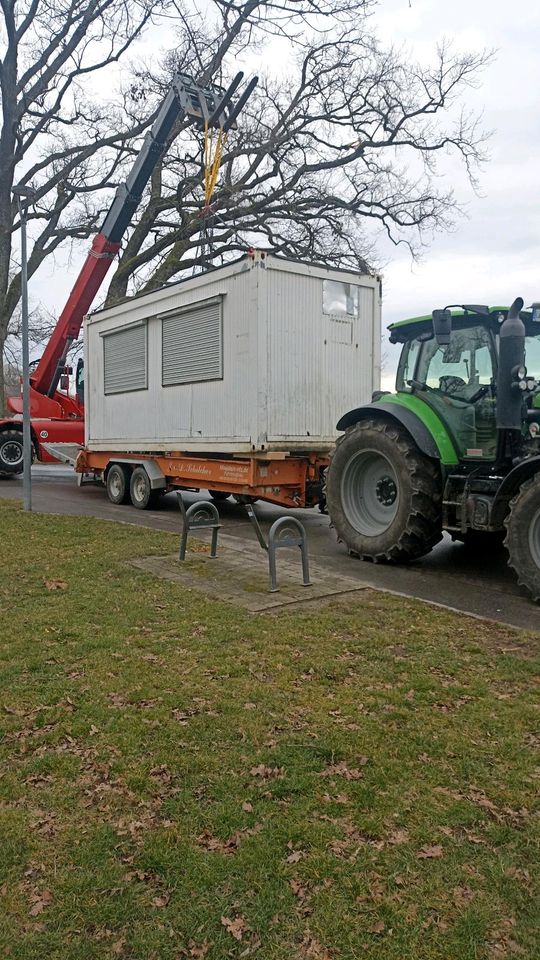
pixel 509 395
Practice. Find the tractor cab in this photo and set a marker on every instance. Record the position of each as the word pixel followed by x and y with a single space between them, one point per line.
pixel 456 375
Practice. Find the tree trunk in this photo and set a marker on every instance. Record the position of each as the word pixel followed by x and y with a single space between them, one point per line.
pixel 2 379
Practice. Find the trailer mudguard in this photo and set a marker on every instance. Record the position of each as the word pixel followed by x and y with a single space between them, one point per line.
pixel 510 486
pixel 155 475
pixel 424 426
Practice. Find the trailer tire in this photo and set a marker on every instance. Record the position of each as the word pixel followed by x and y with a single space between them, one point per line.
pixel 384 496
pixel 219 495
pixel 11 452
pixel 140 490
pixel 117 484
pixel 523 536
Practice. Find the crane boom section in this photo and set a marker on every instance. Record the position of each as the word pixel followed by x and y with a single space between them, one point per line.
pixel 185 99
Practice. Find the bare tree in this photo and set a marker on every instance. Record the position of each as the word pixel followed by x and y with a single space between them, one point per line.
pixel 348 135
pixel 349 138
pixel 59 137
pixel 51 129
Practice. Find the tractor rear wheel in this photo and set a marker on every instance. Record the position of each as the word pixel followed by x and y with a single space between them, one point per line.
pixel 523 536
pixel 384 496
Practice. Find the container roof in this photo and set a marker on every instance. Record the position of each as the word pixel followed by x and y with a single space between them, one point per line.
pixel 403 330
pixel 226 268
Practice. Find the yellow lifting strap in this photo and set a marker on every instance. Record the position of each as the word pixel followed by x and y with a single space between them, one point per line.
pixel 212 161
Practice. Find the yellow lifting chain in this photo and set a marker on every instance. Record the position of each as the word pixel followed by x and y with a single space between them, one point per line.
pixel 212 161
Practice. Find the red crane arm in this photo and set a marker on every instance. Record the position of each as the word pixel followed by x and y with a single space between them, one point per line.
pixel 69 323
pixel 211 106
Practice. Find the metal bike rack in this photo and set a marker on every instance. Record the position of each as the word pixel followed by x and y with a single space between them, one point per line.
pixel 284 532
pixel 199 516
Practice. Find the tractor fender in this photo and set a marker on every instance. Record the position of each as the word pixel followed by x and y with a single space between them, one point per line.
pixel 510 486
pixel 392 411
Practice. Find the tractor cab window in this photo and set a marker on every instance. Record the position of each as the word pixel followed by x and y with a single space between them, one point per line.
pixel 407 364
pixel 532 356
pixel 460 368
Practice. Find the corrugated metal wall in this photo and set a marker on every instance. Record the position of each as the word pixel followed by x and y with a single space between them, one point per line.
pixel 289 371
pixel 318 366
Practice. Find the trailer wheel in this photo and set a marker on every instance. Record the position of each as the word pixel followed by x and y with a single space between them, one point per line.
pixel 523 536
pixel 219 495
pixel 11 452
pixel 142 495
pixel 384 496
pixel 117 484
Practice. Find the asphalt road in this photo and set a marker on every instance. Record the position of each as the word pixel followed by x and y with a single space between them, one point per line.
pixel 478 584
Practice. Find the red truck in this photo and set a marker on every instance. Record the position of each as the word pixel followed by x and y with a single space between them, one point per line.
pixel 56 416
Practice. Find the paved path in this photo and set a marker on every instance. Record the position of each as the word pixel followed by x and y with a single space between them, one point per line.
pixel 481 585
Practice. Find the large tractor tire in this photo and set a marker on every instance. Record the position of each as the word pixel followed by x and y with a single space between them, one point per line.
pixel 384 496
pixel 11 452
pixel 523 536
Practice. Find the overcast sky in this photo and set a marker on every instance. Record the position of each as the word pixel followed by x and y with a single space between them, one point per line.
pixel 493 254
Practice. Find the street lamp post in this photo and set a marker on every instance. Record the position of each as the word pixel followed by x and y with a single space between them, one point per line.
pixel 23 195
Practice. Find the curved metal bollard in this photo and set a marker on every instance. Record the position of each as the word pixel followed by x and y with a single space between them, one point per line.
pixel 287 532
pixel 199 515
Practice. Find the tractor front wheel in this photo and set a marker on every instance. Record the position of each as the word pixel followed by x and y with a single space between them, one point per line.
pixel 523 536
pixel 384 496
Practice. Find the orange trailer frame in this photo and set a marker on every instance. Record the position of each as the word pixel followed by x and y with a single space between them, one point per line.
pixel 286 479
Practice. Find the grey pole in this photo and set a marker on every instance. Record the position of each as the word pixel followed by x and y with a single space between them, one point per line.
pixel 24 193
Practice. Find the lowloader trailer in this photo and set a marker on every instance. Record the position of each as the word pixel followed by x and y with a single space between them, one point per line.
pixel 230 381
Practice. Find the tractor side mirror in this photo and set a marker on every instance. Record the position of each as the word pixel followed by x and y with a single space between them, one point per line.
pixel 442 326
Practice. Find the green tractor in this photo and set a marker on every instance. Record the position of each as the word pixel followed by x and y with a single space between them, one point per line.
pixel 456 447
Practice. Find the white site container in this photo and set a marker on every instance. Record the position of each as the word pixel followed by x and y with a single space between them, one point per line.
pixel 264 354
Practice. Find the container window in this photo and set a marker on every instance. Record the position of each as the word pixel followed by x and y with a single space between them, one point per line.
pixel 192 344
pixel 125 360
pixel 340 299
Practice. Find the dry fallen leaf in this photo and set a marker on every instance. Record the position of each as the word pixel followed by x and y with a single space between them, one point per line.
pixel 342 770
pixel 295 856
pixel 310 947
pixel 198 951
pixel 267 772
pixel 236 927
pixel 378 927
pixel 247 807
pixel 55 584
pixel 399 836
pixel 430 853
pixel 40 900
pixel 161 901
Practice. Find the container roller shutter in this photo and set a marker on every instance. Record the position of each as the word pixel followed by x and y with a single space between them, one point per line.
pixel 124 355
pixel 192 346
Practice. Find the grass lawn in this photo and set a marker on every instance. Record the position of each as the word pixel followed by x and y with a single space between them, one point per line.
pixel 179 778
